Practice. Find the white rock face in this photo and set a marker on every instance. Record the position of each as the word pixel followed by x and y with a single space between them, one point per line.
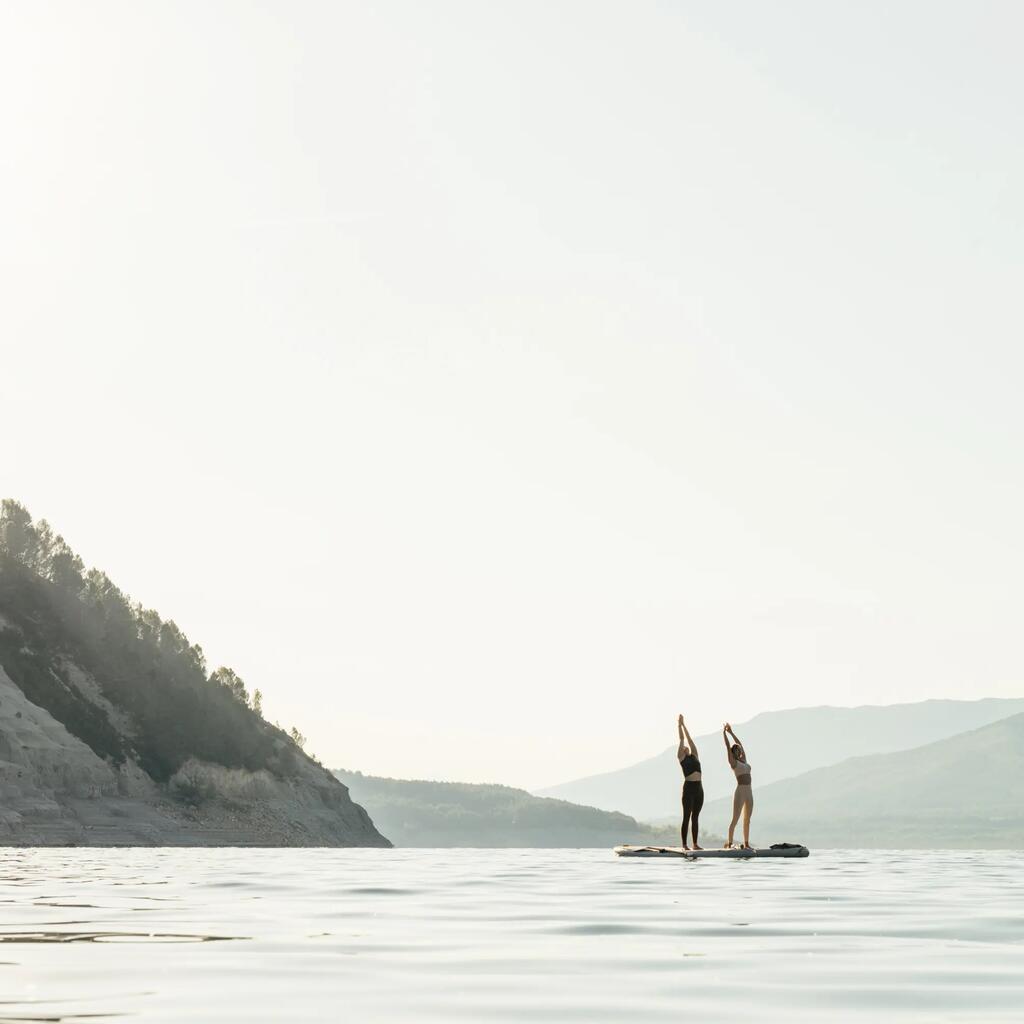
pixel 54 790
pixel 41 762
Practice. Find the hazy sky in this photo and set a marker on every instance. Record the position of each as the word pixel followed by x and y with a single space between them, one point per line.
pixel 488 382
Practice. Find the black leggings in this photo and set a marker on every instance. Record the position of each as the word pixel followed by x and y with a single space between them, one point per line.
pixel 693 801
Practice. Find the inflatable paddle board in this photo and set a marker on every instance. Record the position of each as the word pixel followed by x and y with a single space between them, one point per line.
pixel 781 850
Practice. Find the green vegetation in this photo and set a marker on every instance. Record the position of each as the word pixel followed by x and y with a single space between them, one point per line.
pixel 419 813
pixel 57 617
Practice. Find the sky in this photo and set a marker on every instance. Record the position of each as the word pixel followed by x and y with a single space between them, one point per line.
pixel 488 383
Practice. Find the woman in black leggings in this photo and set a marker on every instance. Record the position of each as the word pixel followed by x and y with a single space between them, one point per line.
pixel 693 788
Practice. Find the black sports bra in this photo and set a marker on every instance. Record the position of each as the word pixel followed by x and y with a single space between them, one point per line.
pixel 689 764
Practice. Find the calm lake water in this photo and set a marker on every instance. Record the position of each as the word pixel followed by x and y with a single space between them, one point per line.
pixel 514 935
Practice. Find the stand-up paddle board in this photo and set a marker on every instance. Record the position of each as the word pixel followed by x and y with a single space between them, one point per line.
pixel 781 850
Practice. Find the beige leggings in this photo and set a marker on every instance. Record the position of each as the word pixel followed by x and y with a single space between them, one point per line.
pixel 742 803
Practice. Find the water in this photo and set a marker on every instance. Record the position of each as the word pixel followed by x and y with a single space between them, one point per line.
pixel 507 935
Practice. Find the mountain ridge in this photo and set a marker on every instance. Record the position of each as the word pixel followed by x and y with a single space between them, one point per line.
pixel 419 812
pixel 782 744
pixel 964 791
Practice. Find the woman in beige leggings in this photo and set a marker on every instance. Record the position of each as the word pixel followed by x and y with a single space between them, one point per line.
pixel 743 798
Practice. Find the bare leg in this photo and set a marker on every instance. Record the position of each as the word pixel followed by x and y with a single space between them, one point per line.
pixel 737 803
pixel 748 810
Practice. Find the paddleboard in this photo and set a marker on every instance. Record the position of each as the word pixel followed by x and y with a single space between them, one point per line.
pixel 679 852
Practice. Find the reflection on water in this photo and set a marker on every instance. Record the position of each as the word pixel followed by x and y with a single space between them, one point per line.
pixel 538 935
pixel 107 937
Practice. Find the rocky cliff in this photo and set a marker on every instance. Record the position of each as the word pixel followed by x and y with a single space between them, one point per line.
pixel 112 732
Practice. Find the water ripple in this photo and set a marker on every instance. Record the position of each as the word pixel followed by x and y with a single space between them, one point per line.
pixel 510 935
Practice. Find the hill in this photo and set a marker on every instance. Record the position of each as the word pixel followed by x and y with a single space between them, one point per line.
pixel 112 731
pixel 963 792
pixel 419 813
pixel 782 744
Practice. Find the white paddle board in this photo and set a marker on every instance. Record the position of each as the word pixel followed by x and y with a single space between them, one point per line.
pixel 676 851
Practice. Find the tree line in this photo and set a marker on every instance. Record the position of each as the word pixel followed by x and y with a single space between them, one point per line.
pixel 143 663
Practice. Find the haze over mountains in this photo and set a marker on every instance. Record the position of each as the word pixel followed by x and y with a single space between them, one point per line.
pixel 113 731
pixel 966 792
pixel 782 744
pixel 422 813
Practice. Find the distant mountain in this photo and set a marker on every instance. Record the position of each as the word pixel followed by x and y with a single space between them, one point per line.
pixel 966 791
pixel 113 731
pixel 782 744
pixel 417 813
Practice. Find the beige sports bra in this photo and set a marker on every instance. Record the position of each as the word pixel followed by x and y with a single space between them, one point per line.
pixel 741 768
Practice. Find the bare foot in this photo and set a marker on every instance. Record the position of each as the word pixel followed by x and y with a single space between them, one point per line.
pixel 696 847
pixel 686 848
pixel 747 846
pixel 728 846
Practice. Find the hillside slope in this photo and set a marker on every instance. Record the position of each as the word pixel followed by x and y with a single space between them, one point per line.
pixel 782 744
pixel 964 792
pixel 113 732
pixel 418 813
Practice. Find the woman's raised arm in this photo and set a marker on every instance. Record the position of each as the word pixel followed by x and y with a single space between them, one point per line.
pixel 738 742
pixel 689 739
